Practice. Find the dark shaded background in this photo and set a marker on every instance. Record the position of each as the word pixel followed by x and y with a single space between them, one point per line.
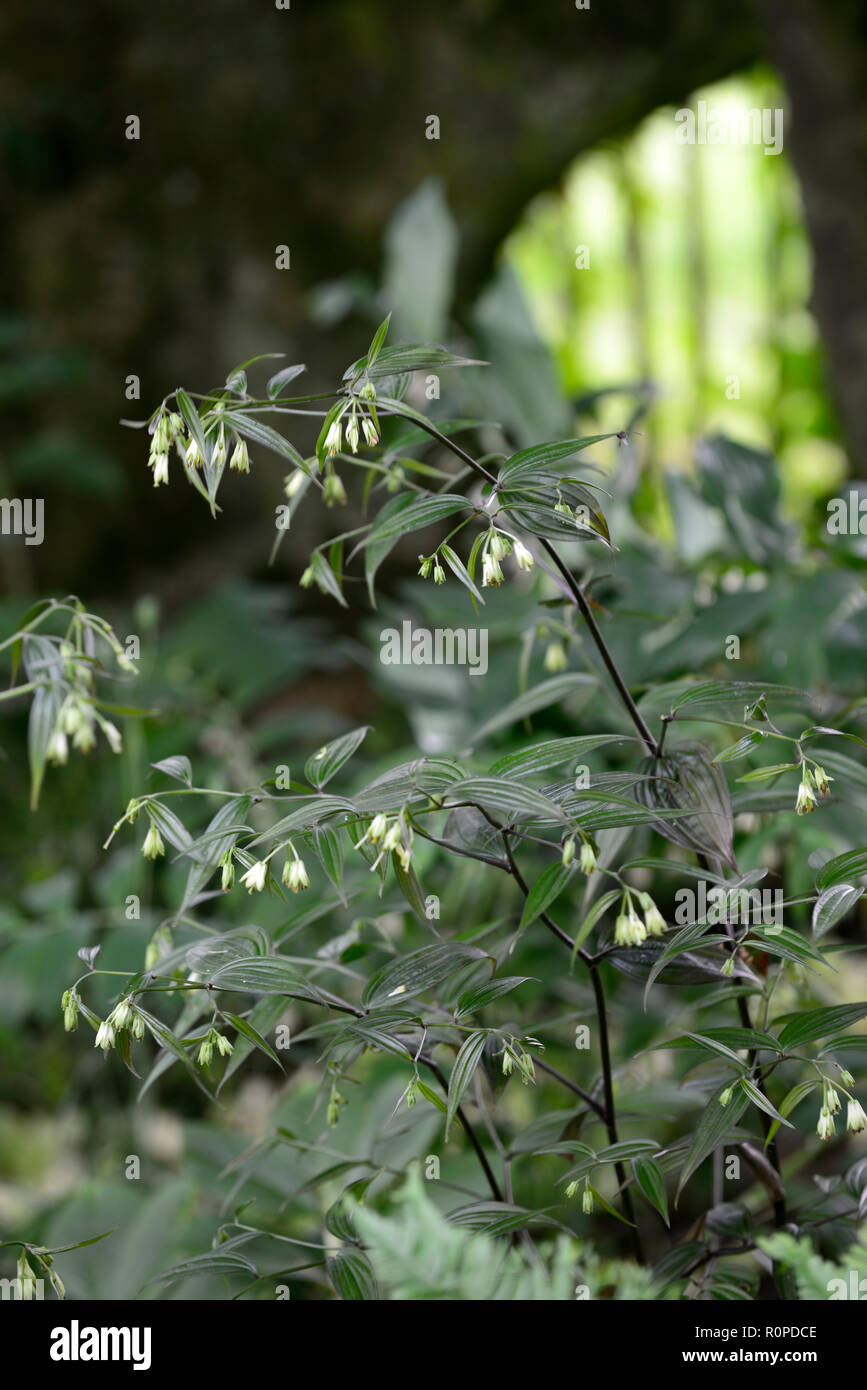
pixel 306 126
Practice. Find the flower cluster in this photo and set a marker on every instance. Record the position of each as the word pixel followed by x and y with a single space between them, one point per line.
pixel 496 547
pixel 168 430
pixel 517 1056
pixel 390 837
pixel 213 1039
pixel 629 929
pixel 587 855
pixel 856 1120
pixel 813 782
pixel 77 717
pixel 123 1016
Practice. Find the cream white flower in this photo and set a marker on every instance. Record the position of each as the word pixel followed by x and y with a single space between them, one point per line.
pixel 805 799
pixel 153 845
pixel 240 460
pixel 492 574
pixel 255 878
pixel 587 858
pixel 57 751
pixel 825 1128
pixel 523 556
pixel 334 438
pixel 104 1037
pixel 856 1120
pixel 295 876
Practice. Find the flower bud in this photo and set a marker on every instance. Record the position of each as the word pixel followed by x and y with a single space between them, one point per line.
pixel 822 781
pixel 555 658
pixel 334 492
pixel 587 1201
pixel 293 482
pixel 568 851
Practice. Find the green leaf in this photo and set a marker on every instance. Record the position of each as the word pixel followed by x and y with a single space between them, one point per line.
pixel 40 726
pixel 177 766
pixel 259 433
pixel 212 1262
pixel 329 847
pixel 684 779
pixel 599 907
pixel 790 1102
pixel 282 378
pixel 322 766
pixel 626 1149
pixel 246 1029
pixel 263 1018
pixel 762 774
pixel 842 869
pixel 715 1123
pixel 230 814
pixel 409 885
pixel 467 1060
pixel 552 752
pixel 407 357
pixel 651 1180
pixel 709 1044
pixel 261 975
pixel 741 748
pixel 377 341
pixel 545 890
pixel 818 1023
pixel 606 1206
pixel 549 692
pixel 498 1218
pixel 456 565
pixel 510 798
pixel 477 998
pixel 420 970
pixel 352 1275
pixel 762 1102
pixel 170 826
pixel 543 456
pixel 831 906
pixel 325 578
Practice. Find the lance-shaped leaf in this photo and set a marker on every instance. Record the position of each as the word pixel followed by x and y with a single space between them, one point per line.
pixel 420 970
pixel 686 780
pixel 463 1071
